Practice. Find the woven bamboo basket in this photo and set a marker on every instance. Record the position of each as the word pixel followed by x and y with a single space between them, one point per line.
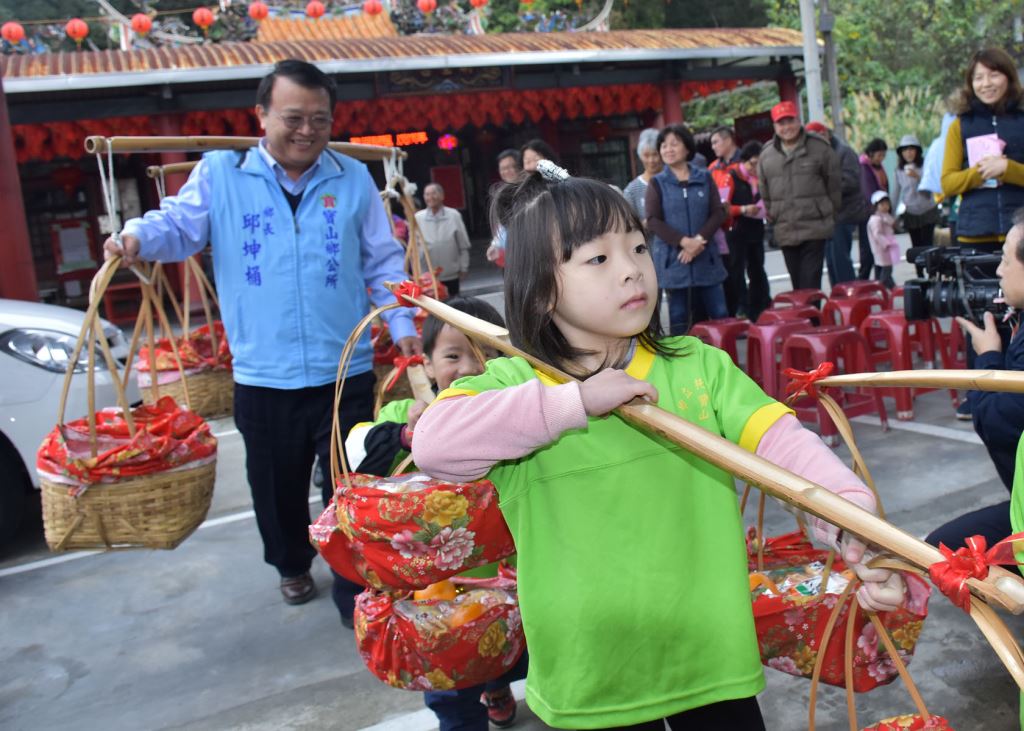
pixel 209 393
pixel 154 511
pixel 157 510
pixel 212 393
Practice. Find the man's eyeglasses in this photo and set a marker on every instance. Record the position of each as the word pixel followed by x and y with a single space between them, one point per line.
pixel 318 122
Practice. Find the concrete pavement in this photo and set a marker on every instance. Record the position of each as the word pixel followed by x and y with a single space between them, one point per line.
pixel 197 638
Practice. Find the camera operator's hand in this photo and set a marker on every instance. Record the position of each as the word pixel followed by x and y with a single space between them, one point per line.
pixel 983 341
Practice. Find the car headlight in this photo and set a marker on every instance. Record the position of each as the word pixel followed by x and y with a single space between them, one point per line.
pixel 47 349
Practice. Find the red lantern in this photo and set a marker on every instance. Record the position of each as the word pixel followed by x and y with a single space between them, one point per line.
pixel 315 9
pixel 77 30
pixel 68 178
pixel 13 33
pixel 477 3
pixel 426 6
pixel 527 2
pixel 258 11
pixel 142 23
pixel 203 17
pixel 373 7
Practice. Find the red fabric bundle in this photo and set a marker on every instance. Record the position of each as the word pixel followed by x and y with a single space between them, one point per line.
pixel 911 722
pixel 384 350
pixel 790 627
pixel 407 532
pixel 195 351
pixel 167 437
pixel 788 549
pixel 439 644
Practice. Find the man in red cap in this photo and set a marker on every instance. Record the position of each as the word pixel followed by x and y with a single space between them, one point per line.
pixel 800 184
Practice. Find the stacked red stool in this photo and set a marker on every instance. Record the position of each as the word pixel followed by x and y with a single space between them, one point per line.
pixel 848 350
pixel 722 333
pixel 893 339
pixel 861 288
pixel 799 298
pixel 764 352
pixel 851 311
pixel 796 313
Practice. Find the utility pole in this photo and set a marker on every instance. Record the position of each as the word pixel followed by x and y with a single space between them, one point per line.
pixel 826 22
pixel 812 65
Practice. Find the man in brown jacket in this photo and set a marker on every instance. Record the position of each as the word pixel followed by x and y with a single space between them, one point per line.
pixel 800 183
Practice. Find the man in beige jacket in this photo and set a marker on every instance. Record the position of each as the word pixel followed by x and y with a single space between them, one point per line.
pixel 445 235
pixel 801 187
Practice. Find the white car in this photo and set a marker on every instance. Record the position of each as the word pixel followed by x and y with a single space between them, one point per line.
pixel 36 343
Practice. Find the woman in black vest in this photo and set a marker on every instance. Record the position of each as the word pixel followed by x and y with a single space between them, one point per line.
pixel 984 158
pixel 987 171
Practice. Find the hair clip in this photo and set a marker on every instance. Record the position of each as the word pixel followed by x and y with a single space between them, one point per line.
pixel 552 172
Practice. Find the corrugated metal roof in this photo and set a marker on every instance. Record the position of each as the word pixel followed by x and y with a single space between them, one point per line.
pixel 229 61
pixel 360 25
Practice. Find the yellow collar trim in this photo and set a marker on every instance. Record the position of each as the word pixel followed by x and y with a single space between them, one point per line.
pixel 639 366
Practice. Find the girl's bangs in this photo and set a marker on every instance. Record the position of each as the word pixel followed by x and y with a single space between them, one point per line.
pixel 587 209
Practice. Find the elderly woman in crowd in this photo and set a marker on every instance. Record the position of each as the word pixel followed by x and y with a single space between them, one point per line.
pixel 647 151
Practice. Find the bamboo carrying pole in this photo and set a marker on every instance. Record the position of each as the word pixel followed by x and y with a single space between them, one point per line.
pixel 1006 381
pixel 97 145
pixel 1001 587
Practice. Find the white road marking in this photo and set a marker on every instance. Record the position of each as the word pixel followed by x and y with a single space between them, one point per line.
pixel 425 720
pixel 931 430
pixel 64 558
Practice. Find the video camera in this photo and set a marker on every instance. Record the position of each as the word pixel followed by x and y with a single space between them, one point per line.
pixel 959 281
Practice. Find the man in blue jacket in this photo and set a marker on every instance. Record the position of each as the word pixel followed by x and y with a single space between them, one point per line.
pixel 998 417
pixel 299 236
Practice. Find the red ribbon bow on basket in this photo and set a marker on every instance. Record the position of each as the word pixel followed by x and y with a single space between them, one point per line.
pixel 408 288
pixel 402 363
pixel 803 381
pixel 971 561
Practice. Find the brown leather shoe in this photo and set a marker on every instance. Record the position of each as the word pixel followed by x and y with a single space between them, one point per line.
pixel 297 589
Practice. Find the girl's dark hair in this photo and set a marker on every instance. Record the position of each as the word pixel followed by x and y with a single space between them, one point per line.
pixel 876 145
pixel 471 306
pixel 302 73
pixel 998 60
pixel 750 150
pixel 545 222
pixel 683 133
pixel 542 148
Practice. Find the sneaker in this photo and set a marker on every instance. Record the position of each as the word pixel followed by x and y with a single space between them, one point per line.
pixel 963 411
pixel 501 707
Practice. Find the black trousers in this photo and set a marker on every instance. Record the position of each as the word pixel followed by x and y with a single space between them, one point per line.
pixel 740 714
pixel 867 259
pixel 283 431
pixel 805 262
pixel 452 285
pixel 992 522
pixel 746 262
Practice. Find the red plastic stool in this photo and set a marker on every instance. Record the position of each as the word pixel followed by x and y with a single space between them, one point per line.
pixel 861 287
pixel 764 351
pixel 790 314
pixel 848 350
pixel 722 333
pixel 851 311
pixel 954 352
pixel 800 297
pixel 893 339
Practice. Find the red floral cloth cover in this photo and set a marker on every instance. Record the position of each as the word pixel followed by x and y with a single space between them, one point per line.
pixel 167 437
pixel 195 351
pixel 788 549
pixel 912 722
pixel 409 531
pixel 790 625
pixel 384 350
pixel 413 645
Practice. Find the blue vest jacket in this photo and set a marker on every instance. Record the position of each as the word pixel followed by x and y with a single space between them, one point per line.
pixel 291 287
pixel 685 206
pixel 989 211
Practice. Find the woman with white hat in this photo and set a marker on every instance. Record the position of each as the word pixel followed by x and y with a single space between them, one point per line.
pixel 920 213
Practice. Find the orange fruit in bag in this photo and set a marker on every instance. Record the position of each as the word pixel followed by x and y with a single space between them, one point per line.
pixel 441 590
pixel 466 613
